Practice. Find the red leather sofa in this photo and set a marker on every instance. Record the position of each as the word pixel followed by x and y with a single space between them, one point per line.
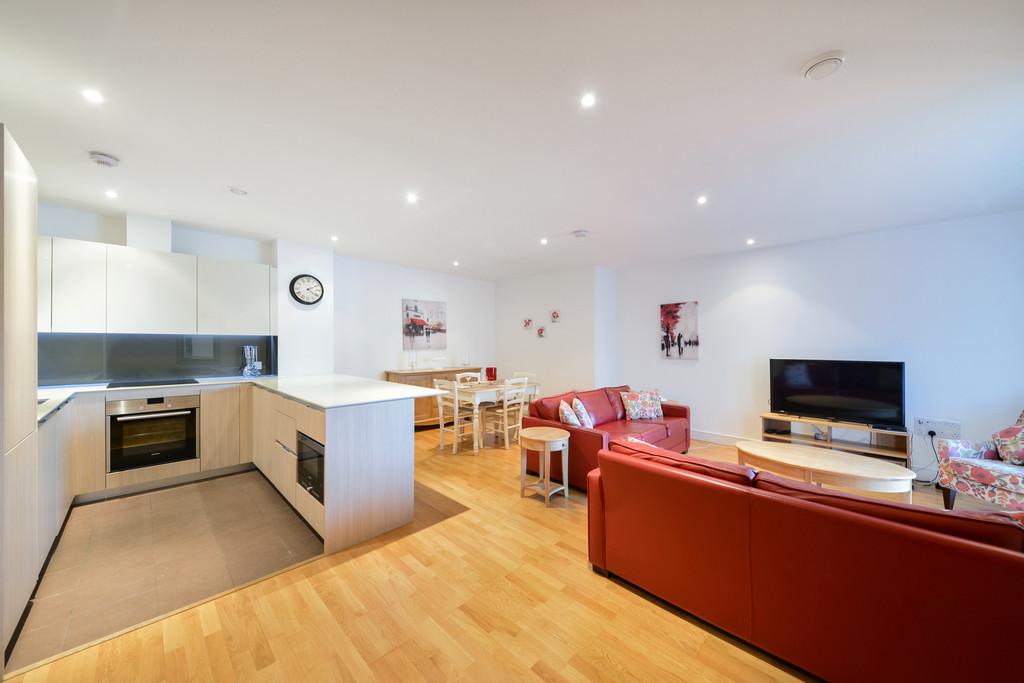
pixel 845 587
pixel 672 432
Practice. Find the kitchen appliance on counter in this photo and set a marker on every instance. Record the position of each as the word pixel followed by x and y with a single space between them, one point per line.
pixel 253 365
pixel 142 432
pixel 310 472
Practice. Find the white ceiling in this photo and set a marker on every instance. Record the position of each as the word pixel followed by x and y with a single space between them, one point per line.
pixel 328 112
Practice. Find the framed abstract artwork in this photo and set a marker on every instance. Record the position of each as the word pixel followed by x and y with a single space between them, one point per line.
pixel 679 338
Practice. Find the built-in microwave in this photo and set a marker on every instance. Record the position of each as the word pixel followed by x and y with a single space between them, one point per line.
pixel 310 470
pixel 143 432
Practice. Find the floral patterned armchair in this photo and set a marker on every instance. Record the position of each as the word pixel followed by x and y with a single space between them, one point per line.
pixel 974 468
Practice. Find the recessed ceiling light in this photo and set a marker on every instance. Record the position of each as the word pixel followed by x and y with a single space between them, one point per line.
pixel 543 240
pixel 234 189
pixel 334 238
pixel 824 65
pixel 92 96
pixel 751 242
pixel 455 263
pixel 588 100
pixel 702 200
pixel 111 194
pixel 411 197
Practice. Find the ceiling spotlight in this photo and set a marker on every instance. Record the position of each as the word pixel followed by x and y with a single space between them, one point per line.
pixel 824 65
pixel 455 263
pixel 543 240
pixel 702 200
pixel 111 194
pixel 234 189
pixel 751 242
pixel 588 100
pixel 411 198
pixel 334 238
pixel 92 96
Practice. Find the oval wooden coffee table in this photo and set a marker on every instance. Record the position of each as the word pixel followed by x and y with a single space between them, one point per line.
pixel 823 466
pixel 544 440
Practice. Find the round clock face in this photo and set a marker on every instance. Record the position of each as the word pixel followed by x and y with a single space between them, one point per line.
pixel 306 289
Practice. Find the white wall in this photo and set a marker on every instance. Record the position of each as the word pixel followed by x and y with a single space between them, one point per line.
pixel 305 334
pixel 76 224
pixel 944 298
pixel 188 240
pixel 565 358
pixel 368 316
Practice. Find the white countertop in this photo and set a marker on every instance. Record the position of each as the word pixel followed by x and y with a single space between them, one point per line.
pixel 319 391
pixel 336 391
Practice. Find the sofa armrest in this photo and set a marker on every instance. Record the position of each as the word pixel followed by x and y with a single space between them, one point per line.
pixel 673 409
pixel 965 450
pixel 595 520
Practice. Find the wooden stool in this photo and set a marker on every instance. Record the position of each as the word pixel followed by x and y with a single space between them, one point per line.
pixel 544 440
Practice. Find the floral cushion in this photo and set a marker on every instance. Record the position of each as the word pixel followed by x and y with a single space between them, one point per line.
pixel 642 405
pixel 970 450
pixel 582 414
pixel 567 416
pixel 1010 444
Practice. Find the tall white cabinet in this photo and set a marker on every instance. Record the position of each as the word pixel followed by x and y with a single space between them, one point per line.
pixel 150 292
pixel 79 286
pixel 234 297
pixel 18 311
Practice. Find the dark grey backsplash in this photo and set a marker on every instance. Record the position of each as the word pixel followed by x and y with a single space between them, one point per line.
pixel 93 358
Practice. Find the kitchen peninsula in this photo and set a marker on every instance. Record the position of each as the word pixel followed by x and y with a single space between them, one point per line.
pixel 338 448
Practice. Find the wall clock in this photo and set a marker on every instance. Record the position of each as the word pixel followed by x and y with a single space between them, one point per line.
pixel 306 289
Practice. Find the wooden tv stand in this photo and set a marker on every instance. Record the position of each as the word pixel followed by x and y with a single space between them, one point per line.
pixel 883 443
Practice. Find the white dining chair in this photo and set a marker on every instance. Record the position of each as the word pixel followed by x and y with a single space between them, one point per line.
pixel 507 414
pixel 468 377
pixel 533 388
pixel 451 408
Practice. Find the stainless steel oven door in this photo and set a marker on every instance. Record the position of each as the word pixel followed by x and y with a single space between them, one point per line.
pixel 153 431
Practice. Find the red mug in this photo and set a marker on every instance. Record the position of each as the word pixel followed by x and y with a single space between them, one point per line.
pixel 492 374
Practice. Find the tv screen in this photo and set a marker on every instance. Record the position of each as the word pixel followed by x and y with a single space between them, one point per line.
pixel 865 392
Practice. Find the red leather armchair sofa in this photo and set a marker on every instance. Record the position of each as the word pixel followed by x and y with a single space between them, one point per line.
pixel 672 432
pixel 845 587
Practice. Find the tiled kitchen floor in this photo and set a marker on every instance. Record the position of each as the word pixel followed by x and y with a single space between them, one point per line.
pixel 124 561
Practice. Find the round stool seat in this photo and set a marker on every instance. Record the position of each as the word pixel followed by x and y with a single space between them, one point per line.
pixel 544 440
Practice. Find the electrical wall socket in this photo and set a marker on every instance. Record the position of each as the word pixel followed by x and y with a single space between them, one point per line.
pixel 944 429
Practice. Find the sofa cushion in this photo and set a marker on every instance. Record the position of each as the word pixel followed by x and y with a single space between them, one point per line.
pixel 651 432
pixel 597 404
pixel 547 408
pixel 642 405
pixel 994 529
pixel 615 398
pixel 582 414
pixel 726 471
pixel 996 474
pixel 566 415
pixel 1010 444
pixel 673 425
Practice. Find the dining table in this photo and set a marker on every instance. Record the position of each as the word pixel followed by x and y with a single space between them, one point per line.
pixel 481 394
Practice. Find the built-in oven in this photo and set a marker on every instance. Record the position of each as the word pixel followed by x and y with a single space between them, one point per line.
pixel 142 432
pixel 310 470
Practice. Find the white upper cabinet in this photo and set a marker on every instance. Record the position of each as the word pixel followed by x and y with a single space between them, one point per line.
pixel 44 270
pixel 273 300
pixel 234 297
pixel 150 292
pixel 79 286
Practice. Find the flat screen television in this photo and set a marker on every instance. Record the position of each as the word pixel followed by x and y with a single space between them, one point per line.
pixel 866 392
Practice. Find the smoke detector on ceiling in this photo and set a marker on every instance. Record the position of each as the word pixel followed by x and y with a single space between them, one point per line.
pixel 824 65
pixel 580 234
pixel 104 159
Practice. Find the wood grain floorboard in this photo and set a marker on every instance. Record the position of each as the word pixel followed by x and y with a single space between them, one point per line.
pixel 481 586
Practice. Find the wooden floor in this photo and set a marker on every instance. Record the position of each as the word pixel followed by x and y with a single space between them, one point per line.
pixel 483 586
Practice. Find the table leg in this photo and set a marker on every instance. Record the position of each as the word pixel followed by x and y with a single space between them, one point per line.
pixel 476 428
pixel 908 496
pixel 565 472
pixel 522 472
pixel 547 476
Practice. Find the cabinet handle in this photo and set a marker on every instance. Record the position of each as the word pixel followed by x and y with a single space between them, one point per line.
pixel 278 442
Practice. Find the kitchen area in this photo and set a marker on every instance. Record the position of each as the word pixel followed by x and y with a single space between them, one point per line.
pixel 153 454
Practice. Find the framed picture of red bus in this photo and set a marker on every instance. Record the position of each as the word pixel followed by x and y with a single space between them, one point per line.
pixel 424 325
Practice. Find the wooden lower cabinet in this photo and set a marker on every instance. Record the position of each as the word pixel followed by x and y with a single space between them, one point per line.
pixel 219 427
pixel 87 443
pixel 425 411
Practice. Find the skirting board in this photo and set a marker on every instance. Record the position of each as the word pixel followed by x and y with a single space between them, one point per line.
pixel 721 439
pixel 105 494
